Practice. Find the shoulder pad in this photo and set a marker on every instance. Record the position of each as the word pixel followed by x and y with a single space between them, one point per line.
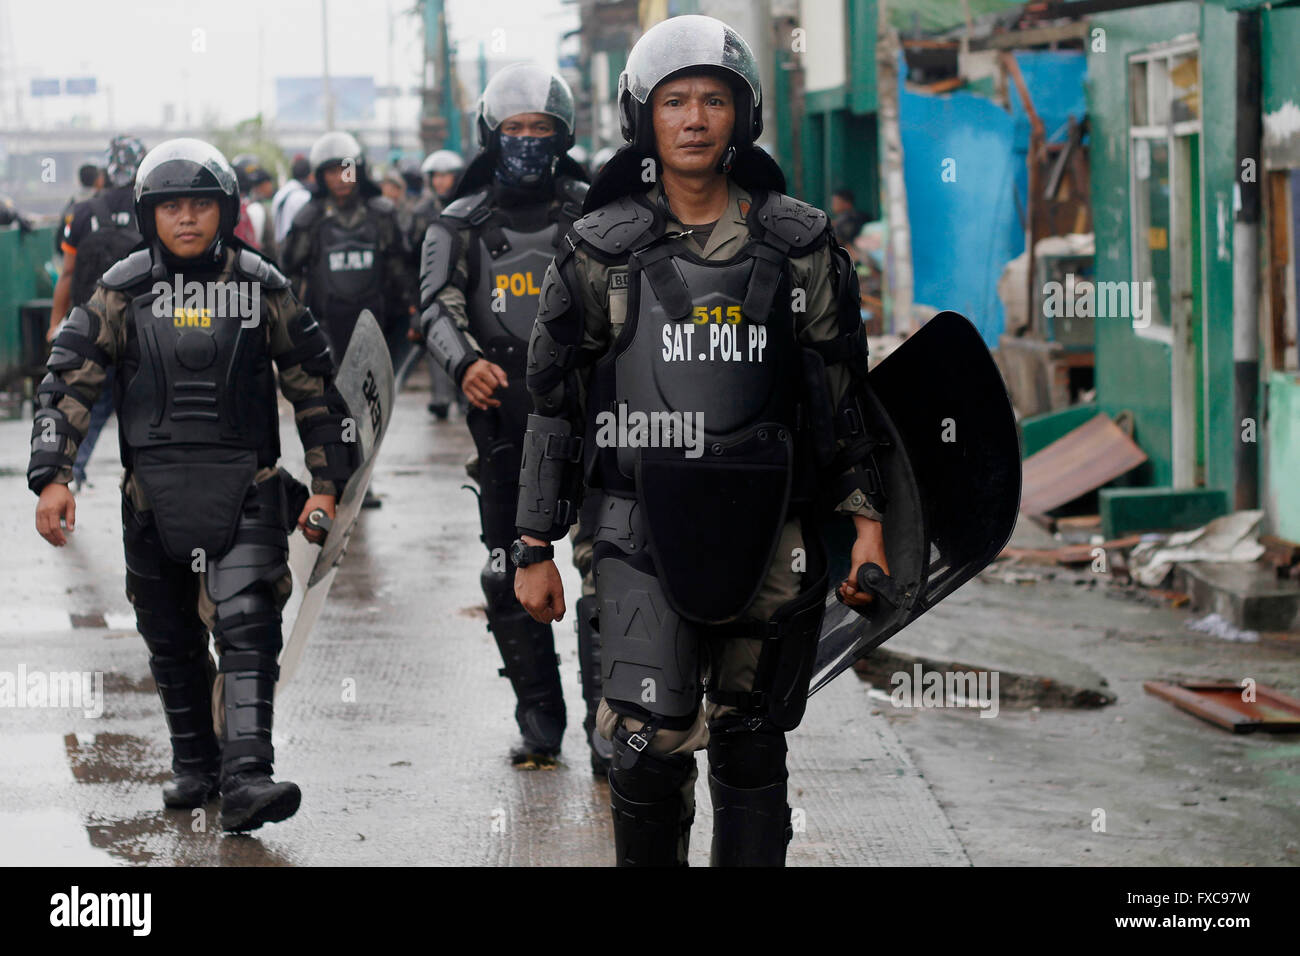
pixel 573 190
pixel 256 266
pixel 128 271
pixel 309 214
pixel 381 204
pixel 615 227
pixel 795 222
pixel 466 206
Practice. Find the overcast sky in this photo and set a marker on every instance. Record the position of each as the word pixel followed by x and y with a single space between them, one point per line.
pixel 146 50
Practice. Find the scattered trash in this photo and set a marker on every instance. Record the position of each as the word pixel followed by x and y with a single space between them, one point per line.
pixel 1219 626
pixel 1231 706
pixel 1231 538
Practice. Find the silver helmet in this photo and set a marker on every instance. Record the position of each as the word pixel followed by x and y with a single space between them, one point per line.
pixel 442 161
pixel 688 42
pixel 524 88
pixel 335 147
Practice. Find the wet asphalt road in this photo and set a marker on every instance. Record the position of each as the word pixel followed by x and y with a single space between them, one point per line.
pixel 396 725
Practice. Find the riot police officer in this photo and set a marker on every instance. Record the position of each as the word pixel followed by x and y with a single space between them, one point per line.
pixel 724 309
pixel 482 265
pixel 441 170
pixel 206 513
pixel 346 250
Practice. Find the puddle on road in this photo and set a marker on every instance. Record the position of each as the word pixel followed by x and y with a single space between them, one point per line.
pixel 115 758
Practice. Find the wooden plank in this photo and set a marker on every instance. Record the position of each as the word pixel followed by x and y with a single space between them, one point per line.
pixel 1279 257
pixel 1221 703
pixel 1095 453
pixel 1034 36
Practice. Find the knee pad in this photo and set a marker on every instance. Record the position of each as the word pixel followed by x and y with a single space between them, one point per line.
pixel 649 655
pixel 746 752
pixel 261 546
pixel 249 621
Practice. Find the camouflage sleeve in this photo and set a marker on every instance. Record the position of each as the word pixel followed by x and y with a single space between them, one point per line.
pixel 88 342
pixel 306 375
pixel 821 322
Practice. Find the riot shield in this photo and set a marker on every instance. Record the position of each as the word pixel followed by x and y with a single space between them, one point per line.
pixel 365 380
pixel 951 472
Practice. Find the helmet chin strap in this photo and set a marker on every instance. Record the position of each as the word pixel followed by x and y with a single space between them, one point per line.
pixel 728 160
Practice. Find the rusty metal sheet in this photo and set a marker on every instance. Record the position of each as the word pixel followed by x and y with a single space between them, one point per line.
pixel 1222 704
pixel 1096 452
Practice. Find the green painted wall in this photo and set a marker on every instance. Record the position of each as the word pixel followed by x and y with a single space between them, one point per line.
pixel 22 277
pixel 1279 62
pixel 838 136
pixel 1133 372
pixel 1283 439
pixel 1218 176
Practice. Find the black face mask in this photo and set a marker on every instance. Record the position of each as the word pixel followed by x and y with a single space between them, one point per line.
pixel 525 162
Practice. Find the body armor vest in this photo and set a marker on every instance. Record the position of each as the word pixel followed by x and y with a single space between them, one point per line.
pixel 700 400
pixel 346 277
pixel 198 417
pixel 502 304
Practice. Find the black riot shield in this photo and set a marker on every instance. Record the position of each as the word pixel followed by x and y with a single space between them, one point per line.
pixel 951 473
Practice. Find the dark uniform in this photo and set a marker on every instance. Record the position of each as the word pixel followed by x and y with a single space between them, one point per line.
pixel 710 565
pixel 482 266
pixel 350 257
pixel 199 435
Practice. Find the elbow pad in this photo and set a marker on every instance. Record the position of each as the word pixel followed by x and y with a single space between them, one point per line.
pixel 550 478
pixel 557 335
pixel 310 349
pixel 75 342
pixel 446 342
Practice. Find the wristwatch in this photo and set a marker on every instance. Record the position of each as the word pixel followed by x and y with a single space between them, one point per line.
pixel 522 555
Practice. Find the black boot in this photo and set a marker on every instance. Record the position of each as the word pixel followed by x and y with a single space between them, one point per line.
pixel 747 781
pixel 185 689
pixel 249 797
pixel 652 823
pixel 750 827
pixel 602 750
pixel 528 653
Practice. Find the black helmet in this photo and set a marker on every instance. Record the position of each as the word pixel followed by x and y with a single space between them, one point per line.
pixel 689 43
pixel 186 167
pixel 122 159
pixel 249 171
pixel 523 88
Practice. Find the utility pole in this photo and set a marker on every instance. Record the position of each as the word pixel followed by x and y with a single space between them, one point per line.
pixel 325 65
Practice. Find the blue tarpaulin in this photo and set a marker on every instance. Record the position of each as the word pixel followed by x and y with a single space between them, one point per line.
pixel 965 227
